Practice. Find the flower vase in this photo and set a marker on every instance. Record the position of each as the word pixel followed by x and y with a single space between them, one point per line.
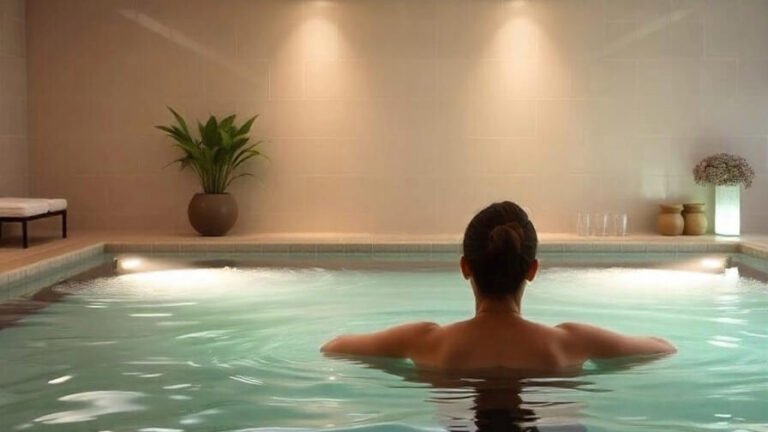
pixel 728 210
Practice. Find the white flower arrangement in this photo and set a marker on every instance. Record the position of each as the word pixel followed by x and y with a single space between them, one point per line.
pixel 724 169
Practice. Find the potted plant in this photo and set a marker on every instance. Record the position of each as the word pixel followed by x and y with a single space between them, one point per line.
pixel 215 156
pixel 727 173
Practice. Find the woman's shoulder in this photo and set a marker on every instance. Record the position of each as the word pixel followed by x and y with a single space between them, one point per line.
pixel 596 342
pixel 419 327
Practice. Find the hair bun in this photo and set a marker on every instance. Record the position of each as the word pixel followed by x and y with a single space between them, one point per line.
pixel 506 239
pixel 499 246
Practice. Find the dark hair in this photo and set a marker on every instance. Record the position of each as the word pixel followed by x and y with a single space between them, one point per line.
pixel 500 245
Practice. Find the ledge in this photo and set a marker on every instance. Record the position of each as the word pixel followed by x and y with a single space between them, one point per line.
pixel 58 257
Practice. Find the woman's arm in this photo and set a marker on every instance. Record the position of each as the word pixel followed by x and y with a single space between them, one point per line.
pixel 396 342
pixel 598 343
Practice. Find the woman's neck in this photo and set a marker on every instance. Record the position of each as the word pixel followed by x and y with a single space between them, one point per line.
pixel 503 306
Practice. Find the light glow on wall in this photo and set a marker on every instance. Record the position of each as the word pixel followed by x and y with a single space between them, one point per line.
pixel 319 34
pixel 518 36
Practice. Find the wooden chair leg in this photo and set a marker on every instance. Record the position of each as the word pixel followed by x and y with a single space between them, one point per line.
pixel 64 224
pixel 24 238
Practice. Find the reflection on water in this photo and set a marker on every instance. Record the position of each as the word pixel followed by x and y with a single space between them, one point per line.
pixel 98 403
pixel 494 400
pixel 499 405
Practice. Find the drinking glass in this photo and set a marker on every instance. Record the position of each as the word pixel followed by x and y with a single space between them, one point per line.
pixel 599 224
pixel 582 224
pixel 620 224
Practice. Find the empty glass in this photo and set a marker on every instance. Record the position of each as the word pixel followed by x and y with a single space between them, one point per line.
pixel 582 224
pixel 619 225
pixel 602 224
pixel 599 224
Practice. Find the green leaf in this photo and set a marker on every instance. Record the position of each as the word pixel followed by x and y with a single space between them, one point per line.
pixel 215 156
pixel 226 123
pixel 180 120
pixel 246 127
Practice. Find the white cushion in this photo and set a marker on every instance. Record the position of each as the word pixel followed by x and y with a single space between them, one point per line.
pixel 57 204
pixel 25 207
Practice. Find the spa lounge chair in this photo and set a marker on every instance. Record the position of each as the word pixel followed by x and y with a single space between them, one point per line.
pixel 23 210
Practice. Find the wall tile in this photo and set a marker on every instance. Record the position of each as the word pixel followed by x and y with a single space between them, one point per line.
pixel 722 37
pixel 388 116
pixel 500 118
pixel 286 78
pixel 631 10
pixel 636 40
pixel 753 18
pixel 753 204
pixel 751 77
pixel 265 29
pixel 686 28
pixel 14 148
pixel 450 15
pixel 13 8
pixel 752 148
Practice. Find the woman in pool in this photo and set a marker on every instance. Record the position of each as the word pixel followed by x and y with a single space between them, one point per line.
pixel 499 258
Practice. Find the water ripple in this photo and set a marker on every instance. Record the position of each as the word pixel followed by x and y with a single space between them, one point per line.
pixel 100 403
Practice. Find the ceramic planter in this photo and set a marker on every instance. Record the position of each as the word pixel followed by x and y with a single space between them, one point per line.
pixel 695 219
pixel 670 220
pixel 212 214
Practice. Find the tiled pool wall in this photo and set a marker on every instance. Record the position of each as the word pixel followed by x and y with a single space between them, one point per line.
pixel 372 248
pixel 52 270
pixel 754 250
pixel 49 271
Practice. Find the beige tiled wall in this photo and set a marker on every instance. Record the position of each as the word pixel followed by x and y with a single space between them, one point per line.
pixel 13 99
pixel 399 116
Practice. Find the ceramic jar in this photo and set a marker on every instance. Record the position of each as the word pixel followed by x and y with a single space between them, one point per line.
pixel 695 219
pixel 670 220
pixel 212 214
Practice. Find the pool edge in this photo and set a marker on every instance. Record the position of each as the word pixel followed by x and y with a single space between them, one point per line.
pixel 55 267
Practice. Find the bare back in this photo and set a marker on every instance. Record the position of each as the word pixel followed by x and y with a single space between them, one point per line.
pixel 490 342
pixel 498 341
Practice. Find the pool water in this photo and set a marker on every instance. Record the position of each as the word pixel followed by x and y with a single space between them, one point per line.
pixel 236 349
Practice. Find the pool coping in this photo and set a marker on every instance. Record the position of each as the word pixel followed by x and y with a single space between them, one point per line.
pixel 58 264
pixel 213 247
pixel 47 269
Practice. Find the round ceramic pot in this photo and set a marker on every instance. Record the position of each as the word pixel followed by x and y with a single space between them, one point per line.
pixel 670 220
pixel 695 219
pixel 212 214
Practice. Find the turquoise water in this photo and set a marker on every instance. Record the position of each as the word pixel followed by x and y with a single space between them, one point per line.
pixel 237 350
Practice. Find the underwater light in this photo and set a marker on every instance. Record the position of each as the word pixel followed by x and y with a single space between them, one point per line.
pixel 128 263
pixel 185 278
pixel 713 263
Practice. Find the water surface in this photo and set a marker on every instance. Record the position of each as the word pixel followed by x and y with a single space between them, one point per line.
pixel 227 349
